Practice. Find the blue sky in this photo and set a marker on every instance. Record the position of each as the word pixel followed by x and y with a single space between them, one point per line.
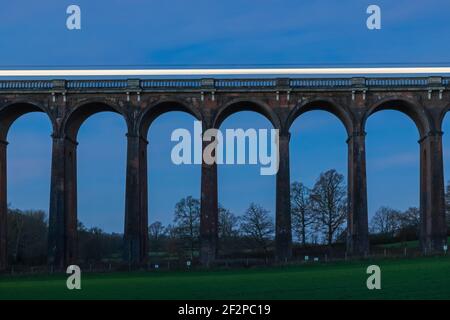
pixel 193 33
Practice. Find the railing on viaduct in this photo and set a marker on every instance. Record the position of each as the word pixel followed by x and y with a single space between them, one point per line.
pixel 68 103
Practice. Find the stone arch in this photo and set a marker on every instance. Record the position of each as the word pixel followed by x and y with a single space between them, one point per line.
pixel 417 113
pixel 85 109
pixel 323 104
pixel 423 122
pixel 160 107
pixel 441 117
pixel 238 105
pixel 13 110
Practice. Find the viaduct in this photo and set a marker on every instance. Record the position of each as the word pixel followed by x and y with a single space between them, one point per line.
pixel 68 103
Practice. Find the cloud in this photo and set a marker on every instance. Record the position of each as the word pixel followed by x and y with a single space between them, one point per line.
pixel 395 160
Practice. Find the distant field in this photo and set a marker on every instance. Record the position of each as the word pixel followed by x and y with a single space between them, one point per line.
pixel 407 244
pixel 422 278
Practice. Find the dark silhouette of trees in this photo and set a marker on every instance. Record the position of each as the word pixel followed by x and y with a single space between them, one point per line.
pixel 187 222
pixel 95 245
pixel 329 203
pixel 301 211
pixel 386 221
pixel 258 226
pixel 27 236
pixel 318 216
pixel 228 224
pixel 389 223
pixel 157 232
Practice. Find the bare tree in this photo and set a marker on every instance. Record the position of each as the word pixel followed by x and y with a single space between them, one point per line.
pixel 187 221
pixel 228 223
pixel 329 203
pixel 386 221
pixel 301 211
pixel 258 225
pixel 410 218
pixel 156 231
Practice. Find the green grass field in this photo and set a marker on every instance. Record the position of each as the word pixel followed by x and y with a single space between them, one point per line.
pixel 422 278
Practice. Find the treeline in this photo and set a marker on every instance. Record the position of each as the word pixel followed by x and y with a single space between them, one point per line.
pixel 27 237
pixel 319 215
pixel 254 230
pixel 390 225
pixel 28 233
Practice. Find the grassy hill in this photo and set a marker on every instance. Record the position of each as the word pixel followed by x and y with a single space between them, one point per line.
pixel 424 278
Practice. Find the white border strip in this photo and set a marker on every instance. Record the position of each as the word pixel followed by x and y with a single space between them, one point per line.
pixel 209 72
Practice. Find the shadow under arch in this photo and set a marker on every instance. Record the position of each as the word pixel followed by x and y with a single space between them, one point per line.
pixel 236 106
pixel 14 110
pixel 83 111
pixel 342 113
pixel 159 108
pixel 411 109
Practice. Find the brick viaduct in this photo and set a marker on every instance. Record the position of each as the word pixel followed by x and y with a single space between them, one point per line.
pixel 68 103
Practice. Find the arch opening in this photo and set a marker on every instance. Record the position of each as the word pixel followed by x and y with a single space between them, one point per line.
pixel 13 111
pixel 393 175
pixel 249 106
pixel 83 112
pixel 101 167
pixel 246 197
pixel 340 112
pixel 413 111
pixel 160 108
pixel 318 160
pixel 173 189
pixel 28 130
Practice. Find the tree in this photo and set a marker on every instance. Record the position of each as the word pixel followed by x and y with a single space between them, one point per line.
pixel 257 225
pixel 27 236
pixel 329 203
pixel 228 231
pixel 187 221
pixel 156 231
pixel 301 210
pixel 410 218
pixel 228 224
pixel 96 245
pixel 386 221
pixel 409 222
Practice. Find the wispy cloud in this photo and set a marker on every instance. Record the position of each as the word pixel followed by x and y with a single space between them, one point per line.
pixel 395 160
